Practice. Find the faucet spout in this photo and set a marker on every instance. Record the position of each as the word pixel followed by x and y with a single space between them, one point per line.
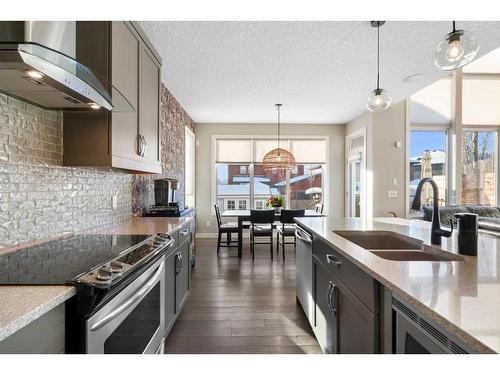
pixel 436 231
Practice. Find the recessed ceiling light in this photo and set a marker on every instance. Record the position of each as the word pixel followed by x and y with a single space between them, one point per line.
pixel 34 74
pixel 413 77
pixel 94 106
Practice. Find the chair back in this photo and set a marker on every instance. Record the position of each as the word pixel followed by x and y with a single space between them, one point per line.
pixel 262 216
pixel 288 215
pixel 319 208
pixel 217 213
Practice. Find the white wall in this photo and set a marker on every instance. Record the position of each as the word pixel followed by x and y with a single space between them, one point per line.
pixel 384 161
pixel 204 169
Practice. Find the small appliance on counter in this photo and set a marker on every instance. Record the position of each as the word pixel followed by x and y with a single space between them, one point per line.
pixel 467 233
pixel 165 199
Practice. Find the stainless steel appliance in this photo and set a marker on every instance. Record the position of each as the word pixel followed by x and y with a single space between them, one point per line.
pixel 415 335
pixel 119 306
pixel 303 259
pixel 38 64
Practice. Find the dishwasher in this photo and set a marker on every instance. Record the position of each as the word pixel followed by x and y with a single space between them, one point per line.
pixel 303 262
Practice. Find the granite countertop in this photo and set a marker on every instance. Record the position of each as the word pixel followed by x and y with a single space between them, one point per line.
pixel 463 297
pixel 20 305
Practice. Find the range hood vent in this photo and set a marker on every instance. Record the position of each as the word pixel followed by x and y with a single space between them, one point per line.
pixel 49 78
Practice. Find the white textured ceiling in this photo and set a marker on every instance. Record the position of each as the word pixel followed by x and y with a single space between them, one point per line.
pixel 322 72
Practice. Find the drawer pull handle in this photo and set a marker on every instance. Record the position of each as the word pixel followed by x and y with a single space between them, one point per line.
pixel 330 259
pixel 184 232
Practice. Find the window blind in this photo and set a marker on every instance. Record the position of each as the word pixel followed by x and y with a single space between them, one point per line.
pixel 233 150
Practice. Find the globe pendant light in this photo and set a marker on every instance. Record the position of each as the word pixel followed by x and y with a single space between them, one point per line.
pixel 379 99
pixel 278 159
pixel 456 50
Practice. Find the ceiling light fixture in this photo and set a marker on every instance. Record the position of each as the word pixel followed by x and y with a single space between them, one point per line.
pixel 278 159
pixel 34 74
pixel 456 50
pixel 94 106
pixel 379 99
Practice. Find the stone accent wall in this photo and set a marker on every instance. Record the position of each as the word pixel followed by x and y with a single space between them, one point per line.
pixel 173 121
pixel 38 197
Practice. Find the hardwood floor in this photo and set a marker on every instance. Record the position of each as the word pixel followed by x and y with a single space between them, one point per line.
pixel 240 306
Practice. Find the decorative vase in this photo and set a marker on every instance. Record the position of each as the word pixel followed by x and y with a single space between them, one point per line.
pixel 277 209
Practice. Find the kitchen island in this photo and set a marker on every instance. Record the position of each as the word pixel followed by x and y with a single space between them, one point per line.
pixel 27 309
pixel 460 296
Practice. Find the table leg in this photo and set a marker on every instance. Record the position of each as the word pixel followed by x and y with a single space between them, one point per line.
pixel 240 236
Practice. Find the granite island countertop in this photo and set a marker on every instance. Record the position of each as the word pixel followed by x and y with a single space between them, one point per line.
pixel 21 305
pixel 462 297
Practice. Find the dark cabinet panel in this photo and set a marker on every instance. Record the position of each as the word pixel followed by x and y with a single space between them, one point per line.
pixel 342 323
pixel 324 319
pixel 119 52
pixel 170 303
pixel 362 285
pixel 182 277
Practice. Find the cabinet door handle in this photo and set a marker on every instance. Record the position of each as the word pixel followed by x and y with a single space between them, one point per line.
pixel 178 263
pixel 145 146
pixel 139 145
pixel 332 302
pixel 329 296
pixel 330 259
pixel 184 232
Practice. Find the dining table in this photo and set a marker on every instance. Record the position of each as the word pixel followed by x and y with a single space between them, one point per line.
pixel 243 217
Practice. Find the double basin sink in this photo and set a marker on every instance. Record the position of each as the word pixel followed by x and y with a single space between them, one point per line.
pixel 397 247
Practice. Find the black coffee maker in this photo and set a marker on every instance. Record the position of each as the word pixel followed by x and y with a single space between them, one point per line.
pixel 467 233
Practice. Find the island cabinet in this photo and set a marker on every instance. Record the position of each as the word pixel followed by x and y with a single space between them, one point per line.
pixel 346 317
pixel 120 53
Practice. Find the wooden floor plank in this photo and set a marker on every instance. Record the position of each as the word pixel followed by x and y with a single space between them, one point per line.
pixel 241 306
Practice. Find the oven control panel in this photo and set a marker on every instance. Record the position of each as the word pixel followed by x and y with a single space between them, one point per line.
pixel 110 272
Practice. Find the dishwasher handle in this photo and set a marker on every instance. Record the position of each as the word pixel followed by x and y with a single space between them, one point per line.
pixel 304 236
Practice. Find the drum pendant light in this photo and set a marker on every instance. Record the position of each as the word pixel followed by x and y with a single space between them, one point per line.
pixel 456 50
pixel 379 99
pixel 278 159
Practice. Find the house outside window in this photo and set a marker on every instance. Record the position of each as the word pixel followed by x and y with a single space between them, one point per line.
pixel 242 205
pixel 231 205
pixel 259 205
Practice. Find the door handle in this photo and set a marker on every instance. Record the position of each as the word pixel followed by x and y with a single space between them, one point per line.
pixel 147 286
pixel 184 232
pixel 139 145
pixel 330 259
pixel 178 263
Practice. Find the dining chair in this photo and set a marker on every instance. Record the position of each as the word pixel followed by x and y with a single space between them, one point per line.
pixel 228 229
pixel 287 229
pixel 319 208
pixel 261 225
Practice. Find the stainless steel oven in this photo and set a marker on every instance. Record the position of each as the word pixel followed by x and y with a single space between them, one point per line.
pixel 133 321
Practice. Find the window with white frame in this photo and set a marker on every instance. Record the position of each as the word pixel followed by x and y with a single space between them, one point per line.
pixel 242 205
pixel 230 204
pixel 189 167
pixel 240 174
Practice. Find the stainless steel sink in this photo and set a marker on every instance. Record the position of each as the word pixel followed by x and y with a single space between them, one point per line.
pixel 397 247
pixel 414 255
pixel 381 240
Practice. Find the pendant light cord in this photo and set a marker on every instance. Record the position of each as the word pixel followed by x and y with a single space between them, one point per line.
pixel 278 106
pixel 454 30
pixel 378 57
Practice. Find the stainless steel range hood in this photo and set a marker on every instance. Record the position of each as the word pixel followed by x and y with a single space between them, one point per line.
pixel 37 65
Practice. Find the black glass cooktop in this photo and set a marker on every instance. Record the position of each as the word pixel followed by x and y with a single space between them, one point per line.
pixel 58 261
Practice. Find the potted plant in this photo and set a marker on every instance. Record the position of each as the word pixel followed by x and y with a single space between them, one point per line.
pixel 276 201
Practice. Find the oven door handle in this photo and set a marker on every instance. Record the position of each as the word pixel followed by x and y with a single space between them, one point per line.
pixel 147 286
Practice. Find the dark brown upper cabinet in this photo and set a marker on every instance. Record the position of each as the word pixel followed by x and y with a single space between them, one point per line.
pixel 120 52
